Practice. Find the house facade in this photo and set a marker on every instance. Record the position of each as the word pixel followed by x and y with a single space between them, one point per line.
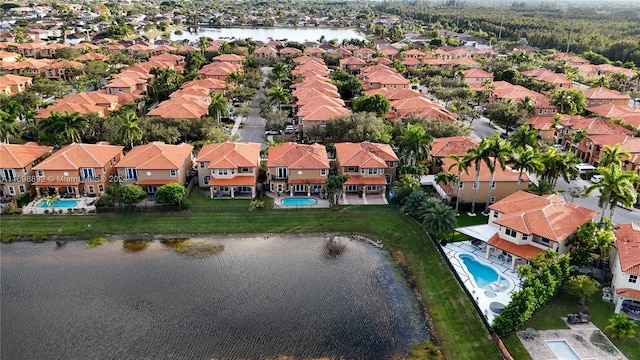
pixel 77 169
pixel 371 167
pixel 625 260
pixel 229 169
pixel 297 169
pixel 16 166
pixel 155 164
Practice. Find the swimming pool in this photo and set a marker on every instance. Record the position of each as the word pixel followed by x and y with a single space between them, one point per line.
pixel 299 202
pixel 562 350
pixel 482 274
pixel 59 204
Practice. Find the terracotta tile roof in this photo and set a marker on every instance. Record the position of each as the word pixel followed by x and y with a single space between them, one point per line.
pixel 608 139
pixel 523 251
pixel 13 80
pixel 547 76
pixel 212 84
pixel 156 155
pixel 364 154
pixel 64 64
pixel 455 145
pixel 230 155
pixel 75 156
pixel 35 64
pixel 612 69
pixel 366 180
pixel 604 93
pixel 71 108
pixel 352 61
pixel 322 112
pixel 289 51
pixel 90 98
pixel 167 57
pixel 160 48
pixel 386 78
pixel 134 75
pixel 314 50
pixel 594 126
pixel 609 111
pixel 178 109
pixel 363 51
pixel 382 61
pixel 188 48
pixel 14 156
pixel 320 100
pixel 628 292
pixel 548 216
pixel 540 122
pixel 265 50
pixel 313 92
pixel 628 244
pixel 92 57
pixel 244 180
pixel 411 62
pixel 123 98
pixel 298 156
pixel 342 52
pixel 219 69
pixel 504 90
pixel 229 58
pixel 464 62
pixel 397 94
pixel 477 73
pixel 124 82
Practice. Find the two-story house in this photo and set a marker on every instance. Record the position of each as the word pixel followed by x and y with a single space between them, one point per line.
pixel 371 167
pixel 602 95
pixel 297 169
pixel 229 169
pixel 155 164
pixel 526 224
pixel 16 163
pixel 77 169
pixel 625 268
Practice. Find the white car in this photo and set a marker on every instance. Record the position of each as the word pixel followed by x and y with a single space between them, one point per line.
pixel 272 132
pixel 596 179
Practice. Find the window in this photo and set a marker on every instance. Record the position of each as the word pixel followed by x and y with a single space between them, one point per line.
pixel 88 173
pixel 323 172
pixel 91 190
pixel 206 179
pixel 493 185
pixel 474 185
pixel 492 200
pixel 362 171
pixel 372 188
pixel 601 101
pixel 131 173
pixel 391 164
pixel 40 173
pixel 201 164
pixel 525 237
pixel 222 172
pixel 352 169
pixel 496 214
pixel 323 123
pixel 373 171
pixel 12 191
pixel 510 232
pixel 633 278
pixel 282 173
pixel 21 189
pixel 461 185
pixel 244 170
pixel 173 173
pixel 101 188
pixel 8 174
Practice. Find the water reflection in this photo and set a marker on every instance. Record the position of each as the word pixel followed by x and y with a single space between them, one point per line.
pixel 258 297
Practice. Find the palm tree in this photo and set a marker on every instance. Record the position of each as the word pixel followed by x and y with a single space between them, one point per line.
pixel 499 150
pixel 8 126
pixel 601 81
pixel 51 202
pixel 279 95
pixel 129 129
pixel 218 106
pixel 577 136
pixel 439 220
pixel 525 160
pixel 477 156
pixel 279 73
pixel 620 326
pixel 616 186
pixel 462 164
pixel 415 144
pixel 66 127
pixel 203 43
pixel 524 138
pixel 558 164
pixel 528 104
pixel 613 154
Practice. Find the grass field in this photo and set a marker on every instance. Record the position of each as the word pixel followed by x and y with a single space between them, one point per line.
pixel 459 331
pixel 466 220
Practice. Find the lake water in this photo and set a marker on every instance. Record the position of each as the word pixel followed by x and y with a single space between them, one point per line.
pixel 266 34
pixel 258 297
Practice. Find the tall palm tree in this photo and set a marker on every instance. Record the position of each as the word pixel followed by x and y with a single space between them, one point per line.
pixel 525 160
pixel 477 156
pixel 461 163
pixel 613 154
pixel 218 106
pixel 67 127
pixel 279 95
pixel 203 43
pixel 439 220
pixel 616 186
pixel 556 164
pixel 499 150
pixel 528 104
pixel 8 126
pixel 279 73
pixel 129 129
pixel 524 138
pixel 415 144
pixel 577 136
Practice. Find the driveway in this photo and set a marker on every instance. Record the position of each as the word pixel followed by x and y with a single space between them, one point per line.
pixel 253 129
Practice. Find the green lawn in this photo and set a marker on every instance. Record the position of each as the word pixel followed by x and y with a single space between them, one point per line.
pixel 466 220
pixel 549 317
pixel 458 328
pixel 200 198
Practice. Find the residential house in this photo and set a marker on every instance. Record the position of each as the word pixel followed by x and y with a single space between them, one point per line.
pixel 524 224
pixel 448 146
pixel 16 166
pixel 364 54
pixel 77 169
pixel 126 85
pixel 14 84
pixel 599 131
pixel 602 95
pixel 371 167
pixel 352 64
pixel 625 268
pixel 266 52
pixel 503 90
pixel 476 78
pixel 297 169
pixel 229 169
pixel 544 75
pixel 155 164
pixel 8 56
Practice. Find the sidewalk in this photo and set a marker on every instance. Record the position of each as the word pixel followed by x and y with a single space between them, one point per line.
pixel 236 125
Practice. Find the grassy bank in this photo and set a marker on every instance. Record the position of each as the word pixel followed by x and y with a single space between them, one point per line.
pixel 459 329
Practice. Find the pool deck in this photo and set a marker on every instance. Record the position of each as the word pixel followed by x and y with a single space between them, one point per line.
pixel 587 341
pixel 85 206
pixel 492 293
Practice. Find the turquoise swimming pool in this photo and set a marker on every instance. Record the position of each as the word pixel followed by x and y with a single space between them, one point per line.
pixel 481 273
pixel 59 204
pixel 299 202
pixel 562 350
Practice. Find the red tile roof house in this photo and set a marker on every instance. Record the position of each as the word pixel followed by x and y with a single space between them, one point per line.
pixel 625 260
pixel 504 90
pixel 155 164
pixel 16 163
pixel 229 169
pixel 309 116
pixel 371 167
pixel 447 146
pixel 523 225
pixel 126 85
pixel 352 64
pixel 15 83
pixel 551 77
pixel 602 95
pixel 77 169
pixel 594 127
pixel 297 169
pixel 475 78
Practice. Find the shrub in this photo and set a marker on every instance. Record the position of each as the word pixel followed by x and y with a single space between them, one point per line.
pixel 170 194
pixel 24 199
pixel 95 241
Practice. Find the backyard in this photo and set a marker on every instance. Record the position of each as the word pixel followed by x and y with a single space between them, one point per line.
pixel 460 332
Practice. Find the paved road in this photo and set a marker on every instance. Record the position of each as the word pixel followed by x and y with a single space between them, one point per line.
pixel 253 129
pixel 481 128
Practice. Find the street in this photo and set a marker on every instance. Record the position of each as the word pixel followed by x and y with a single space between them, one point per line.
pixel 253 129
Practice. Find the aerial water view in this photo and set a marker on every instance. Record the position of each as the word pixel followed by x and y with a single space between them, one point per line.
pixel 278 180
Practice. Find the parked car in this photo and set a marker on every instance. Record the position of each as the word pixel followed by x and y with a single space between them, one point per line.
pixel 272 132
pixel 584 167
pixel 289 129
pixel 596 179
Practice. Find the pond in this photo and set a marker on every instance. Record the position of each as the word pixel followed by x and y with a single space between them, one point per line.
pixel 265 34
pixel 234 297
